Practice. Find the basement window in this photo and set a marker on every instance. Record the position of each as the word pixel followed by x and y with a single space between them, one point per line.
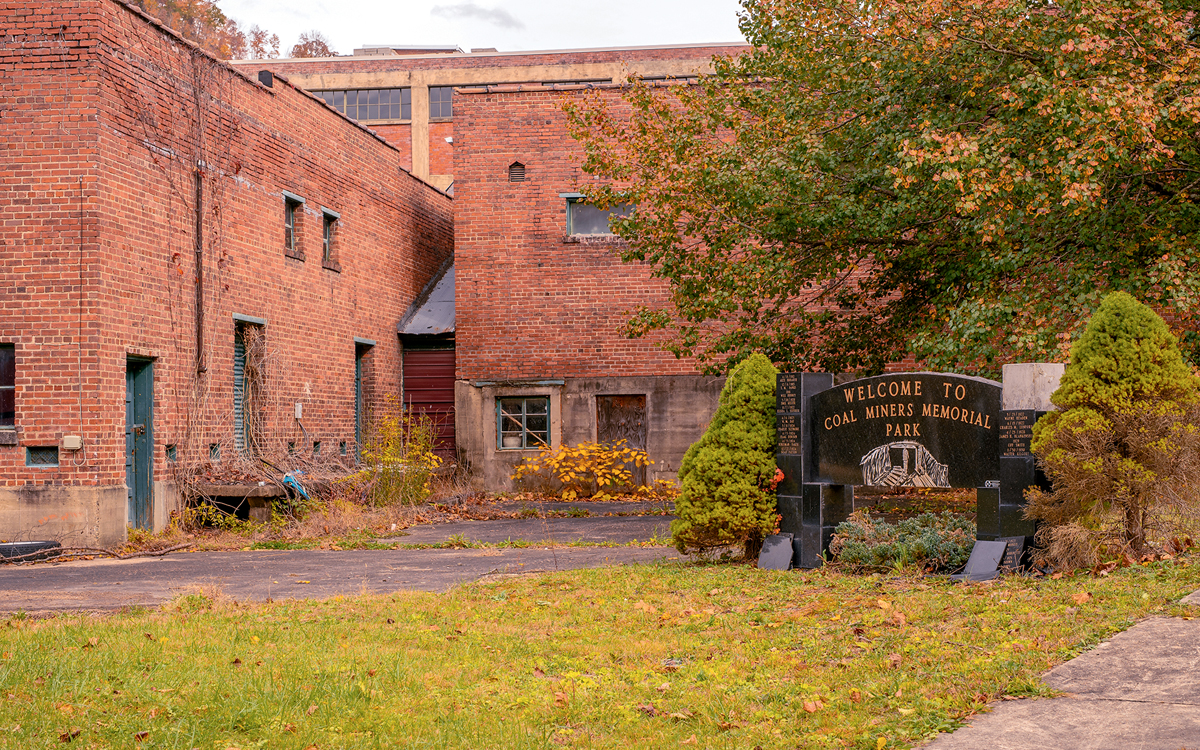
pixel 441 100
pixel 8 386
pixel 584 218
pixel 522 423
pixel 44 456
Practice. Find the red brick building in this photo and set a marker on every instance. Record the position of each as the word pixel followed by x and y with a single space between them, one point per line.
pixel 530 348
pixel 163 214
pixel 541 297
pixel 407 94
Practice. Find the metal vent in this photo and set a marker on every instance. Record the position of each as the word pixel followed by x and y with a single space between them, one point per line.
pixel 516 172
pixel 41 455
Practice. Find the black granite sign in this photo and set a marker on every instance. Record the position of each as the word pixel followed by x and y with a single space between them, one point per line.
pixel 787 390
pixel 908 430
pixel 1016 431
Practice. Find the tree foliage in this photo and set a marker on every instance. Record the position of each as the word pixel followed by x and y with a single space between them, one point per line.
pixel 202 22
pixel 313 44
pixel 959 179
pixel 1123 451
pixel 727 476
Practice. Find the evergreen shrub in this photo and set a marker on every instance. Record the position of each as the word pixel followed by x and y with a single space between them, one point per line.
pixel 932 541
pixel 1123 450
pixel 728 476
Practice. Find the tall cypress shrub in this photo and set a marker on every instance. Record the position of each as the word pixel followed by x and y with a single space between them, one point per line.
pixel 726 476
pixel 1123 449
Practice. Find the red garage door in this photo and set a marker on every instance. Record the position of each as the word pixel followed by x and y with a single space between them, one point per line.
pixel 429 389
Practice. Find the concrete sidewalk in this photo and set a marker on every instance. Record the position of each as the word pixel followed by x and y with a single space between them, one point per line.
pixel 1138 691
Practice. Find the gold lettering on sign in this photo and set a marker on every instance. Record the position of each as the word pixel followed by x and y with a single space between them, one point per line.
pixel 891 389
pixel 960 392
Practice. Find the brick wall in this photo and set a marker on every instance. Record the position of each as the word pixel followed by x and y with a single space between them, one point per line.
pixel 531 302
pixel 96 91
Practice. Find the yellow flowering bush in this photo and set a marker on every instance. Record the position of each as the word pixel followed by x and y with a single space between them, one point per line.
pixel 585 470
pixel 397 456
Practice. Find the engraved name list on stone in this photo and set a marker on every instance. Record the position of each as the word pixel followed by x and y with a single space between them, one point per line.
pixel 787 387
pixel 1016 431
pixel 788 434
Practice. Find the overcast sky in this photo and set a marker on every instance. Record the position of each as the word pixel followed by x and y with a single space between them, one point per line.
pixel 504 24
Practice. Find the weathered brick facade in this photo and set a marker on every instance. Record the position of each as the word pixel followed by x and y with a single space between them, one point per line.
pixel 539 311
pixel 533 301
pixel 421 137
pixel 113 125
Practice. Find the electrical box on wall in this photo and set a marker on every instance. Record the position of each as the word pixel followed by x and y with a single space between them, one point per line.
pixel 299 410
pixel 72 442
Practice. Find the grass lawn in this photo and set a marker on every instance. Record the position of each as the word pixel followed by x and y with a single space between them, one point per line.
pixel 668 655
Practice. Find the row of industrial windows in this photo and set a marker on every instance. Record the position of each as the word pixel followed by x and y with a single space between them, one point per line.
pixel 293 208
pixel 388 104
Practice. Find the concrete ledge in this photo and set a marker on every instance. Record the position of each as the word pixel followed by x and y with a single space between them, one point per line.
pixel 73 516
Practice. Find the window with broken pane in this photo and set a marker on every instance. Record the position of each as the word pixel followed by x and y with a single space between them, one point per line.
pixel 523 423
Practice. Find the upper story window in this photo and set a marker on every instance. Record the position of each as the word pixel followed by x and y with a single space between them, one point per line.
pixel 292 211
pixel 440 102
pixel 584 218
pixel 8 385
pixel 371 104
pixel 329 222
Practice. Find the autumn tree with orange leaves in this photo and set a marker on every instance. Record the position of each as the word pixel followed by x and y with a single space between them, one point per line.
pixel 203 22
pixel 958 179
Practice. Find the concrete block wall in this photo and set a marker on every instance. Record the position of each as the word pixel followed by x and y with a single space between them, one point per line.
pixel 103 94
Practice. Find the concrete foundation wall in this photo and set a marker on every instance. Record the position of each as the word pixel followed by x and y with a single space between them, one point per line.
pixel 678 410
pixel 73 515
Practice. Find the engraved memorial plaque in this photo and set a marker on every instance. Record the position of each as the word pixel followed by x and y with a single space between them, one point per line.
pixel 788 433
pixel 787 389
pixel 1016 431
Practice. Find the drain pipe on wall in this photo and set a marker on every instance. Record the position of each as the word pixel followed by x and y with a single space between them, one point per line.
pixel 74 443
pixel 199 177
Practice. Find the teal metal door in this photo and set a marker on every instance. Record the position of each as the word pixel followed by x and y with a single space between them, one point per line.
pixel 139 440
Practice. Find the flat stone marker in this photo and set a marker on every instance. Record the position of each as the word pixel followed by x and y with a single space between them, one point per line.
pixel 776 552
pixel 984 563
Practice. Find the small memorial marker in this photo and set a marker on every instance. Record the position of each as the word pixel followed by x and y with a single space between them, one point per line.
pixel 984 563
pixel 1014 553
pixel 776 553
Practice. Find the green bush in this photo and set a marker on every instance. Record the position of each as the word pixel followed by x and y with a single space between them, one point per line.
pixel 727 494
pixel 932 541
pixel 1123 450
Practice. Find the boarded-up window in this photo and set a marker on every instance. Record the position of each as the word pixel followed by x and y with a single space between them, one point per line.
pixel 623 418
pixel 249 356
